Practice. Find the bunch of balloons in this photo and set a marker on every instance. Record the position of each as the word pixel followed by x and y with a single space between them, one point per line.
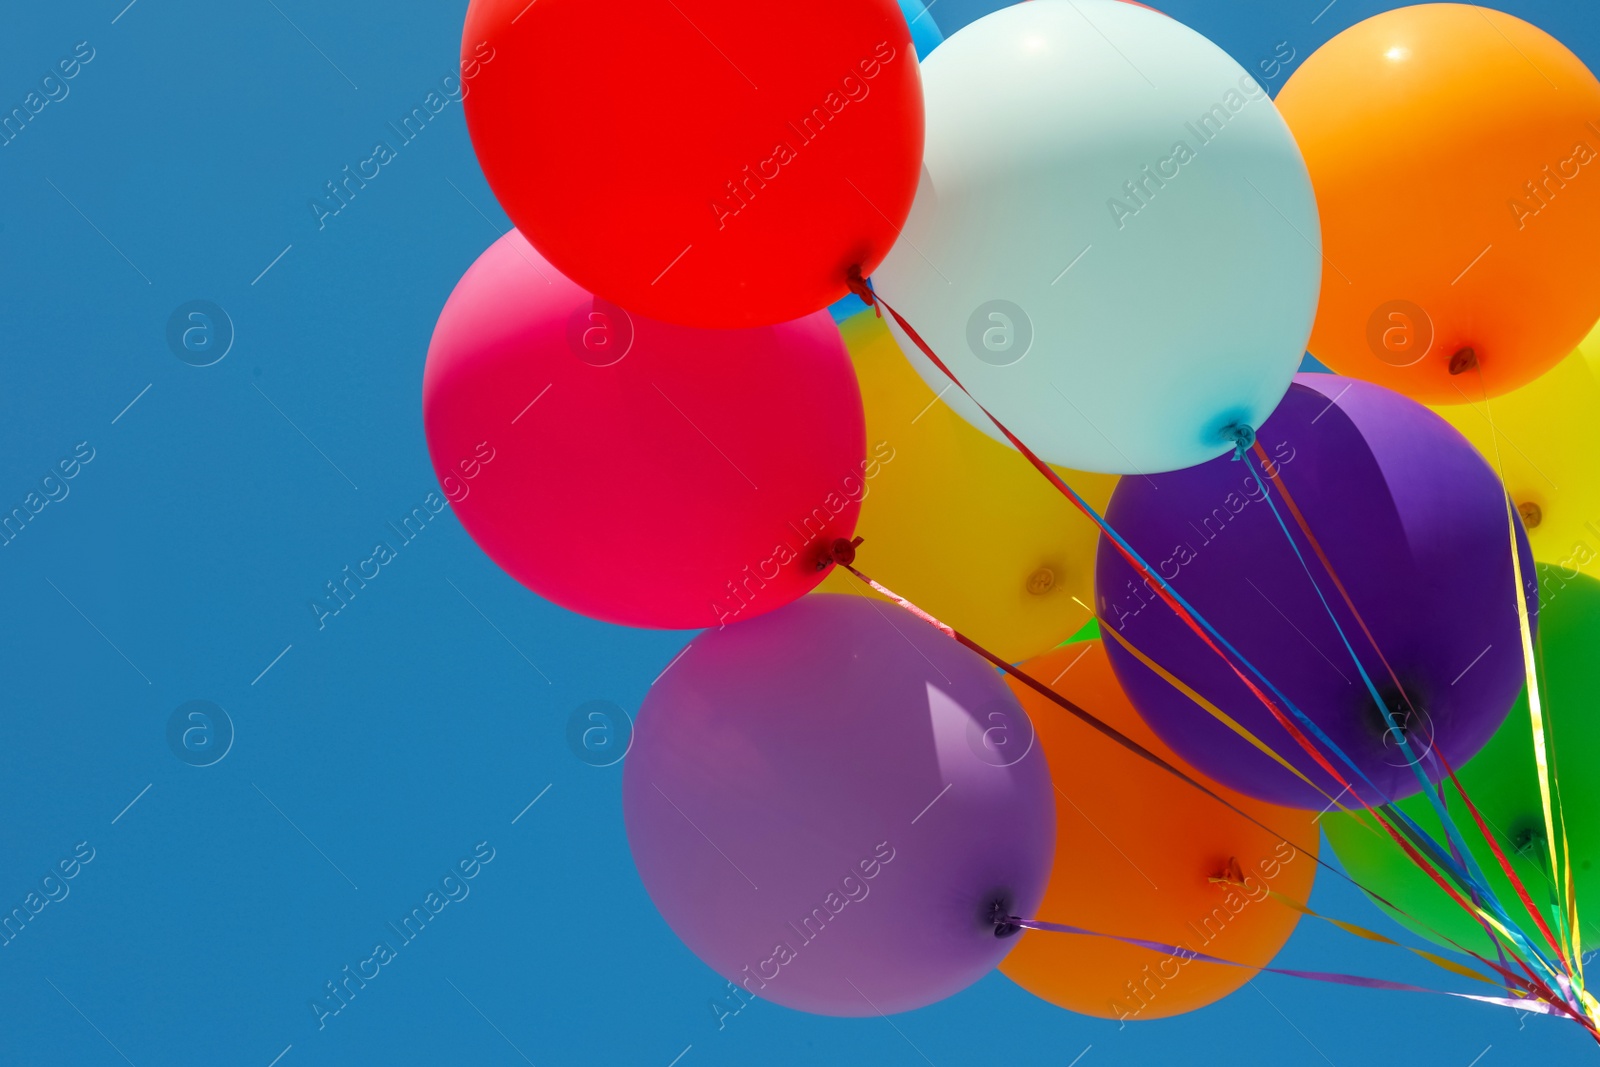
pixel 1048 613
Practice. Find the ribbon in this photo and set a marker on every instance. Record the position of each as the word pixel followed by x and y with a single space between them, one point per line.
pixel 1188 954
pixel 1180 607
pixel 1245 438
pixel 844 552
pixel 1466 858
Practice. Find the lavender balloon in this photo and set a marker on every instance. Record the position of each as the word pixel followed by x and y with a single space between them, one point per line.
pixel 1414 524
pixel 831 804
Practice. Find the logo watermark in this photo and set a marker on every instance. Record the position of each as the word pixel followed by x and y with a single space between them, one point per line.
pixel 1400 333
pixel 200 733
pixel 200 333
pixel 999 333
pixel 599 733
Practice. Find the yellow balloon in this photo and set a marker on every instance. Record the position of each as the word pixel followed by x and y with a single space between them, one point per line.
pixel 1545 439
pixel 962 525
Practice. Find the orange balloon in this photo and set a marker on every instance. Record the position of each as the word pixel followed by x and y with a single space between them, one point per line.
pixel 1136 852
pixel 1457 174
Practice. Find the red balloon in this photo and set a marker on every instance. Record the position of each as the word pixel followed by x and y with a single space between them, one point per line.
pixel 715 163
pixel 635 471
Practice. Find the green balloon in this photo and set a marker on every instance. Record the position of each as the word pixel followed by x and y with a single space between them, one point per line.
pixel 1503 784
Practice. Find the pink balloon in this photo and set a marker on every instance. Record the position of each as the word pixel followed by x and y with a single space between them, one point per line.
pixel 830 805
pixel 634 471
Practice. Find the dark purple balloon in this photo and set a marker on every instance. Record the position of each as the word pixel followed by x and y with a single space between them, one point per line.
pixel 829 804
pixel 1414 523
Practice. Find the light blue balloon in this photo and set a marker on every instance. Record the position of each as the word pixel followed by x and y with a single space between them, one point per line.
pixel 1114 243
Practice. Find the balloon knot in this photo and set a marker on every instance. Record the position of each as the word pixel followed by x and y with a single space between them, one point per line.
pixel 1004 925
pixel 1529 843
pixel 1231 875
pixel 1464 360
pixel 841 551
pixel 860 287
pixel 1242 436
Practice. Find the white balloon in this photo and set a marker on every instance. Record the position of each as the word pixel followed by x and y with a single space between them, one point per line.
pixel 1114 244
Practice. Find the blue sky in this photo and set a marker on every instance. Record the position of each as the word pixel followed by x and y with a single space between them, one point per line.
pixel 371 755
